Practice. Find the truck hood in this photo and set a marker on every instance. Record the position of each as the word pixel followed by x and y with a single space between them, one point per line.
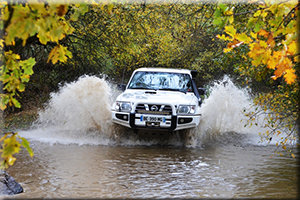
pixel 159 97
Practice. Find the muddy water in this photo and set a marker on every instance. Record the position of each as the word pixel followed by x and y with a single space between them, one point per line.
pixel 80 153
pixel 216 170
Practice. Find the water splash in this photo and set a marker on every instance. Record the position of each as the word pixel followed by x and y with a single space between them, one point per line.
pixel 223 117
pixel 80 113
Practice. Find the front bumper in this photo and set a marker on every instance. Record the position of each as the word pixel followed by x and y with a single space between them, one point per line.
pixel 162 122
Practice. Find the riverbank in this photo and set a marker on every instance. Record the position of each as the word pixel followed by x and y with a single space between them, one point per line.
pixel 19 120
pixel 11 123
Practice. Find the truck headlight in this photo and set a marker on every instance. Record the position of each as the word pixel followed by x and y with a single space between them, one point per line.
pixel 123 106
pixel 186 109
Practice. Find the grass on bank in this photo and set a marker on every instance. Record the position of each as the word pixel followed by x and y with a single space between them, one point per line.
pixel 19 120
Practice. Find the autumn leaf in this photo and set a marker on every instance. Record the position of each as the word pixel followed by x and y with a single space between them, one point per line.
pixel 272 49
pixel 290 76
pixel 293 155
pixel 62 10
pixel 243 38
pixel 223 37
pixel 230 30
pixel 59 53
pixel 263 33
pixel 44 20
pixel 292 48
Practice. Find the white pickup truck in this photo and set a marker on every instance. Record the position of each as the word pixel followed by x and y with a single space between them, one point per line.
pixel 159 98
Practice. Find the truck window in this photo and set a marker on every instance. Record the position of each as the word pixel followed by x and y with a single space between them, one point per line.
pixel 161 81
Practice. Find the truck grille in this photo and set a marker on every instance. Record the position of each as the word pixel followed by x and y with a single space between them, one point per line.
pixel 154 109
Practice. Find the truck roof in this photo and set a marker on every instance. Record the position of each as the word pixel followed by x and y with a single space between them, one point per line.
pixel 183 71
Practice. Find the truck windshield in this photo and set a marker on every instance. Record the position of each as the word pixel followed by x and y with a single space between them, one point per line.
pixel 161 81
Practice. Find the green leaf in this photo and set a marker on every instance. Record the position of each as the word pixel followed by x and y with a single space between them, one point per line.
pixel 26 145
pixel 223 7
pixel 258 25
pixel 243 38
pixel 218 22
pixel 217 13
pixel 21 87
pixel 16 103
pixel 4 99
pixel 10 146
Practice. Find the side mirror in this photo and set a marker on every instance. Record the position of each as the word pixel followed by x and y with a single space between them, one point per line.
pixel 122 87
pixel 194 73
pixel 202 91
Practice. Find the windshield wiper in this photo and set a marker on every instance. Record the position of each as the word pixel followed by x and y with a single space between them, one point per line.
pixel 173 89
pixel 144 88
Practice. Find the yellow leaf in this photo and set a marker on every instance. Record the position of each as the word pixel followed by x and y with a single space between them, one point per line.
pixel 53 55
pixel 2 106
pixel 266 56
pixel 230 30
pixel 59 53
pixel 292 155
pixel 1 43
pixel 228 12
pixel 290 76
pixel 231 19
pixel 226 50
pixel 10 160
pixel 263 44
pixel 257 13
pixel 284 147
pixel 264 14
pixel 253 35
pixel 223 37
pixel 292 48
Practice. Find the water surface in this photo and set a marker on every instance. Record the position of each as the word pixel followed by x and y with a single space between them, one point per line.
pixel 79 153
pixel 223 171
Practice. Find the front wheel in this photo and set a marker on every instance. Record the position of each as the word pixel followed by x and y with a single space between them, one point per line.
pixel 189 137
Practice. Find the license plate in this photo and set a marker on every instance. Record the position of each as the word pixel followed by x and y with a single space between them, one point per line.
pixel 152 119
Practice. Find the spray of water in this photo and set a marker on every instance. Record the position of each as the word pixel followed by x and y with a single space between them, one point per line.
pixel 80 113
pixel 222 114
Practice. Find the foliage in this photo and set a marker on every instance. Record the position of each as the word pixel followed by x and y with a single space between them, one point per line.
pixel 14 74
pixel 49 23
pixel 279 113
pixel 118 38
pixel 11 145
pixel 115 39
pixel 270 38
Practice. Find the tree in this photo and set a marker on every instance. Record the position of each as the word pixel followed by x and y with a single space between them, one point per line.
pixel 20 22
pixel 268 42
pixel 122 37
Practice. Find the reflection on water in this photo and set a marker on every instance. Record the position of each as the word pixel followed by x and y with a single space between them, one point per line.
pixel 228 171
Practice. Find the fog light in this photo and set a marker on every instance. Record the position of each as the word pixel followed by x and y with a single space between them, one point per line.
pixel 122 116
pixel 184 120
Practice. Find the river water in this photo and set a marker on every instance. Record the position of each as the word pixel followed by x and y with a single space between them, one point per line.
pixel 79 153
pixel 224 171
